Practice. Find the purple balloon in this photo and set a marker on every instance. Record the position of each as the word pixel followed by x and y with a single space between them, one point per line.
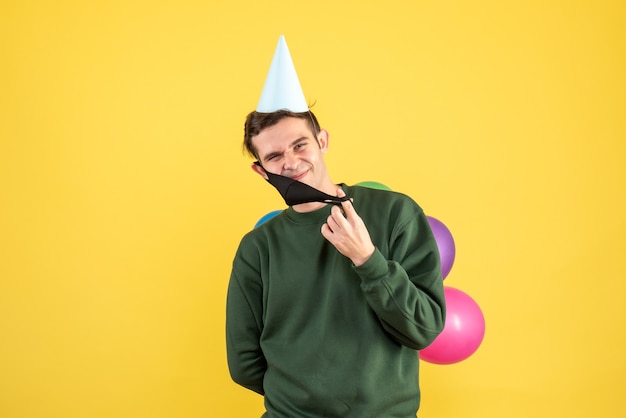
pixel 445 244
pixel 463 332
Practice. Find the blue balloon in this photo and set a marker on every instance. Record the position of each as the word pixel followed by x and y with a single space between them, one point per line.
pixel 267 217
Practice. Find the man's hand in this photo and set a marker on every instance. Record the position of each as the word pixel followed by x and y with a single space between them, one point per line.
pixel 347 232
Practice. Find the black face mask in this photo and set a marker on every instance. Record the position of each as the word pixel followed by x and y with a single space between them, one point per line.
pixel 295 192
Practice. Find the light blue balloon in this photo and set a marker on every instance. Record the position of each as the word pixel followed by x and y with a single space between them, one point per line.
pixel 267 217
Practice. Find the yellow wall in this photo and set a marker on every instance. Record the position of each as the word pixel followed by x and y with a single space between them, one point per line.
pixel 124 192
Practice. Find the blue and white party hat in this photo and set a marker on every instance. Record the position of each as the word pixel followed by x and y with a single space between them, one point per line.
pixel 282 88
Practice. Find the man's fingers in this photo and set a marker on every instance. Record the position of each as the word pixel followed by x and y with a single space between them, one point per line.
pixel 336 220
pixel 348 209
pixel 326 231
pixel 347 206
pixel 337 214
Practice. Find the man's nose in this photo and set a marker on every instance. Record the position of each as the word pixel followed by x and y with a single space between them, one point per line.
pixel 290 162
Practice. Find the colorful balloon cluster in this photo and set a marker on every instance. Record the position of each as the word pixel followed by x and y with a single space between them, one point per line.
pixel 464 328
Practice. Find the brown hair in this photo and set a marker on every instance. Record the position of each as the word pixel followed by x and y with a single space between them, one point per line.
pixel 256 122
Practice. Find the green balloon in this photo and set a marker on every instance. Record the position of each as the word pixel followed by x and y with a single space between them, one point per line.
pixel 373 185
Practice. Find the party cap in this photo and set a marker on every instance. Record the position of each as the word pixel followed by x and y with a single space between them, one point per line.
pixel 282 88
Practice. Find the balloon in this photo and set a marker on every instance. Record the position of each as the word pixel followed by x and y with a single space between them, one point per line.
pixel 267 217
pixel 463 331
pixel 373 185
pixel 445 244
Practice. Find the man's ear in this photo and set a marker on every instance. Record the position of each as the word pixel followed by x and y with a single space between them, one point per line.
pixel 323 138
pixel 259 170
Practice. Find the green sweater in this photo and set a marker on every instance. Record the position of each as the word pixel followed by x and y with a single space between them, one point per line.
pixel 319 337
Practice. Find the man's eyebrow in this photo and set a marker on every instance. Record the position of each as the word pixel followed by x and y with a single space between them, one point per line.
pixel 297 141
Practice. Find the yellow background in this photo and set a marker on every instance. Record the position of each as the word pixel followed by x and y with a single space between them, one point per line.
pixel 124 192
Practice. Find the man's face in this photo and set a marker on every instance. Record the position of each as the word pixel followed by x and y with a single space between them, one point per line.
pixel 289 148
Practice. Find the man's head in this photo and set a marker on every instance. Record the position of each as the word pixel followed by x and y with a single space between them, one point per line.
pixel 257 122
pixel 289 144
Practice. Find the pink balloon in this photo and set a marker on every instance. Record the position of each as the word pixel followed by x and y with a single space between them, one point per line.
pixel 445 244
pixel 463 331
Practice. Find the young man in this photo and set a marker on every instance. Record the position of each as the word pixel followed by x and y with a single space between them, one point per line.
pixel 329 301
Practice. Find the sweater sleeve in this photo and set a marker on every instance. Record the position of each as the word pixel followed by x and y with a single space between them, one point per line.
pixel 405 289
pixel 244 324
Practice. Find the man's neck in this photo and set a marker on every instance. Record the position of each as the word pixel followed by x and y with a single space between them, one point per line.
pixel 308 207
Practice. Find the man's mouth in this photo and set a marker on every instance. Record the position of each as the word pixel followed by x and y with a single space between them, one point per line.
pixel 299 176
